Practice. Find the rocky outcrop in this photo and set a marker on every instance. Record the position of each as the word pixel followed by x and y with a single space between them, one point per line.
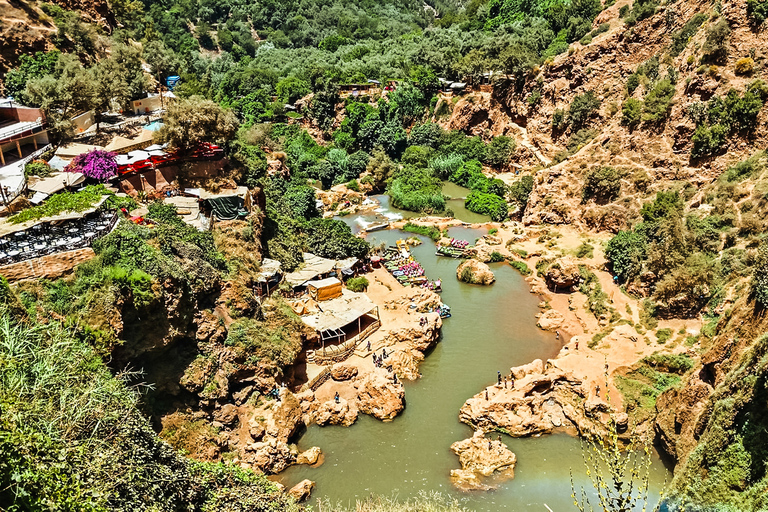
pixel 309 457
pixel 550 320
pixel 341 372
pixel 540 401
pixel 332 413
pixel 379 396
pixel 475 272
pixel 480 457
pixel 563 276
pixel 302 490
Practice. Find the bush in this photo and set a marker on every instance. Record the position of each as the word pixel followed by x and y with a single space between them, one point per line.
pixel 681 37
pixel 716 45
pixel 521 190
pixel 658 102
pixel 37 168
pixel 662 206
pixel 521 267
pixel 623 11
pixel 760 276
pixel 631 112
pixel 558 119
pixel 757 11
pixel 744 66
pixel 602 183
pixel 358 284
pixel 626 252
pixel 749 167
pixel 353 185
pixel 496 257
pixel 333 239
pixel 499 151
pixel 663 335
pixel 708 141
pixel 669 363
pixel 641 9
pixel 430 231
pixel 417 190
pixel 487 204
pixel 581 109
pixel 585 250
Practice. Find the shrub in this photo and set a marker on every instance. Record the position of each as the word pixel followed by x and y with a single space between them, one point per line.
pixel 521 267
pixel 353 185
pixel 487 204
pixel 760 276
pixel 358 284
pixel 681 37
pixel 757 11
pixel 662 206
pixel 586 40
pixel 707 140
pixel 631 112
pixel 585 250
pixel 417 190
pixel 37 168
pixel 623 11
pixel 716 45
pixel 663 335
pixel 581 109
pixel 641 9
pixel 580 139
pixel 558 119
pixel 496 257
pixel 331 238
pixel 96 164
pixel 658 101
pixel 744 66
pixel 669 363
pixel 602 183
pixel 746 168
pixel 626 252
pixel 499 151
pixel 430 231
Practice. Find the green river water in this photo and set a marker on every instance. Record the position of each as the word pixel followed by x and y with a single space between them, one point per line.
pixel 492 328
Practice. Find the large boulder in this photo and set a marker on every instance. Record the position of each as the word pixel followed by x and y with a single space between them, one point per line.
pixel 563 275
pixel 310 456
pixel 281 418
pixel 475 272
pixel 332 413
pixel 379 396
pixel 342 371
pixel 481 457
pixel 271 456
pixel 550 320
pixel 302 490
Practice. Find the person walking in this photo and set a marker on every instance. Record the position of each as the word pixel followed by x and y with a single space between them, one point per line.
pixel 577 344
pixel 486 394
pixel 597 391
pixel 505 383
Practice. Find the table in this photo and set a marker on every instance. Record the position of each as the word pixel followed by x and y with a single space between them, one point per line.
pixel 89 234
pixel 40 246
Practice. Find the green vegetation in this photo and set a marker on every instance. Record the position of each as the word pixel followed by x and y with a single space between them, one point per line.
pixel 521 190
pixel 603 184
pixel 585 250
pixel 720 117
pixel 597 299
pixel 63 202
pixel 757 11
pixel 358 284
pixel 663 335
pixel 496 257
pixel 681 37
pixel 488 204
pixel 727 469
pixel 716 45
pixel 38 168
pixel 72 437
pixel 631 112
pixel 430 231
pixel 669 363
pixel 424 502
pixel 521 267
pixel 581 109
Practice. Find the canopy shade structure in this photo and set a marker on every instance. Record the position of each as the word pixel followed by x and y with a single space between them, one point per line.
pixel 70 151
pixel 123 145
pixel 338 312
pixel 313 267
pixel 324 289
pixel 57 182
pixel 269 269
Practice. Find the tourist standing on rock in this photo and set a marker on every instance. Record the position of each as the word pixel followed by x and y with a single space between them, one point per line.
pixel 512 382
pixel 505 383
pixel 577 344
pixel 499 378
pixel 486 394
pixel 597 391
pixel 369 345
pixel 336 397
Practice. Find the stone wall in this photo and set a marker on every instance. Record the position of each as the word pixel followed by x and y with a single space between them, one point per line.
pixel 52 266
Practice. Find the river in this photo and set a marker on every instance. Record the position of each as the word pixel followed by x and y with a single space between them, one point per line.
pixel 492 329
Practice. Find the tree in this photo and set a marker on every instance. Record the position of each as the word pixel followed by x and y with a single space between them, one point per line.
pixel 626 252
pixel 500 150
pixel 193 120
pixel 30 68
pixel 581 109
pixel 521 190
pixel 163 60
pixel 291 88
pixel 333 239
pixel 96 164
pixel 716 45
pixel 631 112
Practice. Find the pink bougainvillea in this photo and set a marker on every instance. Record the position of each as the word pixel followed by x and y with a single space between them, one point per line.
pixel 96 164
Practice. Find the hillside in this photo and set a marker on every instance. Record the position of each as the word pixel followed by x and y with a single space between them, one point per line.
pixel 640 123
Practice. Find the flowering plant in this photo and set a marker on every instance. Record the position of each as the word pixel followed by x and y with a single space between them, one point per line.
pixel 96 164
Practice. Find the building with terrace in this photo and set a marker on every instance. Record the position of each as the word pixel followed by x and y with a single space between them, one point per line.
pixel 23 136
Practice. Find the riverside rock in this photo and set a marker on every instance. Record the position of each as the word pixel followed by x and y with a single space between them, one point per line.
pixel 475 272
pixel 563 275
pixel 481 457
pixel 310 456
pixel 332 413
pixel 550 320
pixel 379 396
pixel 341 372
pixel 302 490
